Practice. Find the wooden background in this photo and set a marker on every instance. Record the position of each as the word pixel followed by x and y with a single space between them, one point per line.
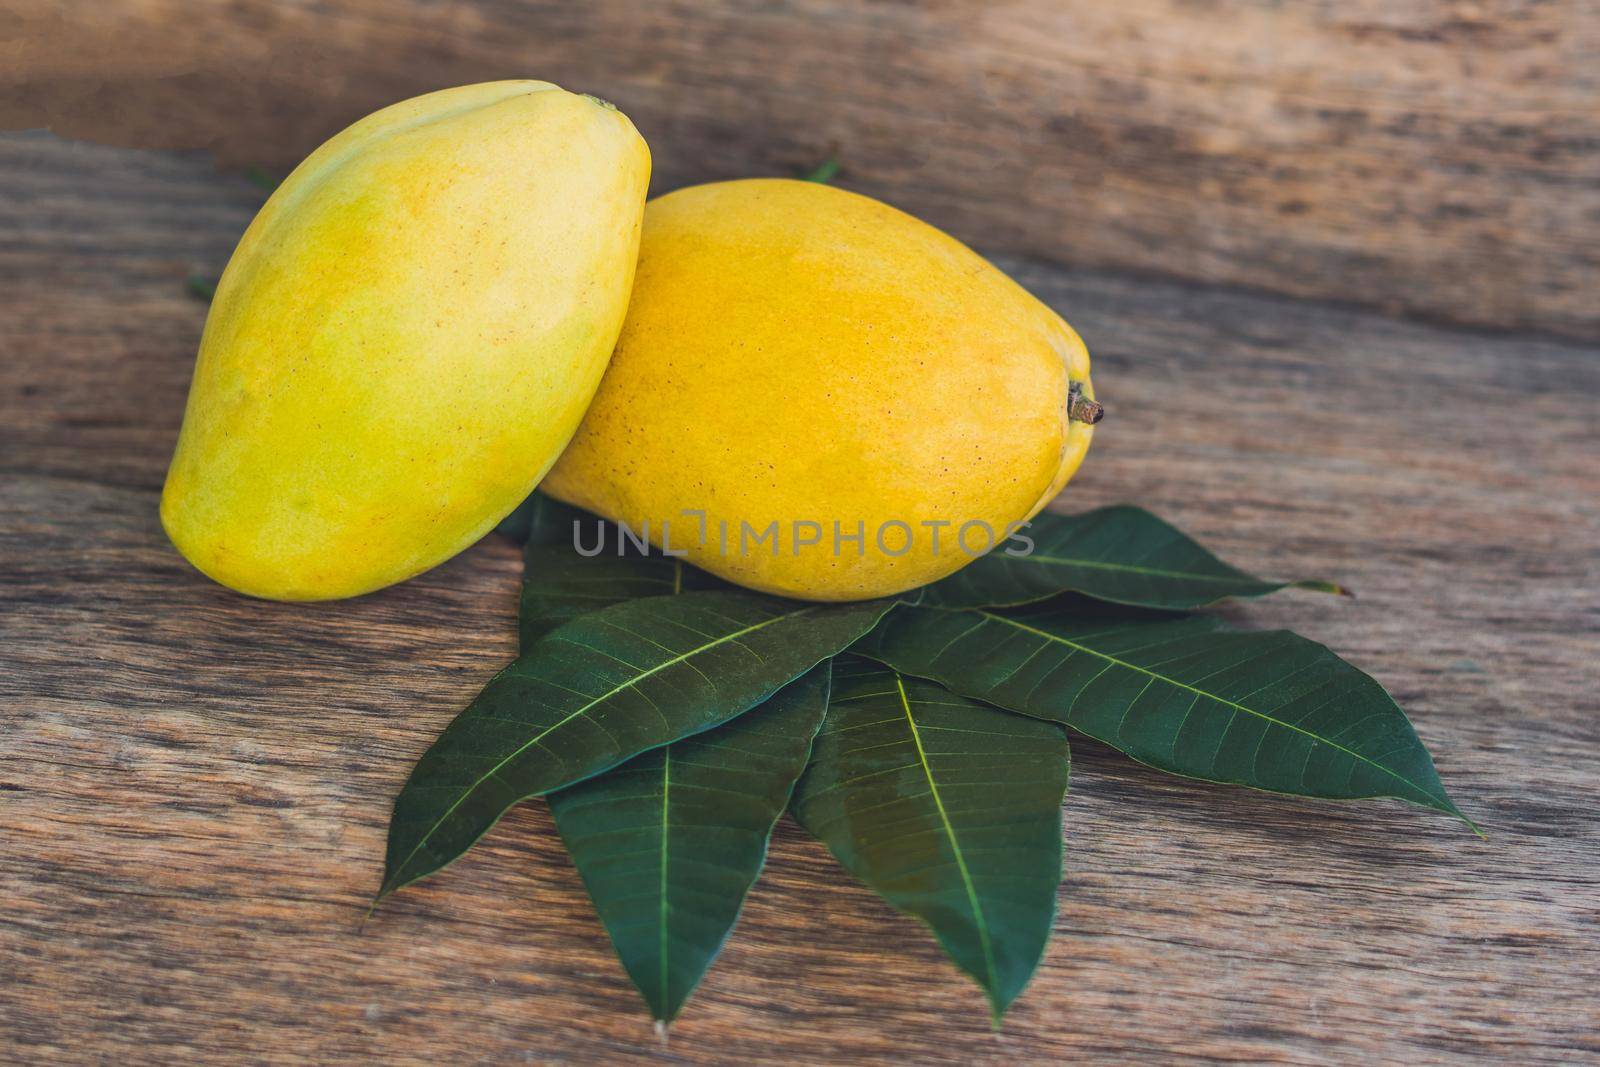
pixel 1439 158
pixel 195 786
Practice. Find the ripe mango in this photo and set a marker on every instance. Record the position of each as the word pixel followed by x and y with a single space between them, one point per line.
pixel 405 338
pixel 801 355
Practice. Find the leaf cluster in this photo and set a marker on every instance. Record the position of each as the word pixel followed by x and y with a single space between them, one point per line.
pixel 670 719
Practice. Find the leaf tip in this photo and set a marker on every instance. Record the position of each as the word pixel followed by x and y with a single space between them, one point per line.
pixel 1000 1001
pixel 661 1032
pixel 1316 585
pixel 1444 804
pixel 824 172
pixel 391 885
pixel 200 287
pixel 262 178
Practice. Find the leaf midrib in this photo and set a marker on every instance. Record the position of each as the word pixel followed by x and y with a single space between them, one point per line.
pixel 1131 568
pixel 661 922
pixel 520 749
pixel 955 845
pixel 1210 696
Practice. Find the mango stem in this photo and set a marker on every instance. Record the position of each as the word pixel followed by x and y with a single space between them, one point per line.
pixel 1080 408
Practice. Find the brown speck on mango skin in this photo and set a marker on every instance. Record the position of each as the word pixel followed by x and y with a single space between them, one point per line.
pixel 795 352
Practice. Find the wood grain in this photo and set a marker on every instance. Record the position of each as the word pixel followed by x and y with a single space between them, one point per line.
pixel 195 785
pixel 1433 157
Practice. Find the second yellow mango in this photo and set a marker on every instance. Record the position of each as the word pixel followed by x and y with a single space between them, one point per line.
pixel 802 357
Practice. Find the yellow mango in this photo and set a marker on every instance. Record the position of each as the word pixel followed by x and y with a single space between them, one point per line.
pixel 801 355
pixel 405 338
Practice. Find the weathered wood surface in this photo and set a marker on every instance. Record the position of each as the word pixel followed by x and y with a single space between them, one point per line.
pixel 1438 157
pixel 195 786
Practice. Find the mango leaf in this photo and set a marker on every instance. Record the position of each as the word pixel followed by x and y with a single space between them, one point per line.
pixel 670 842
pixel 949 810
pixel 597 691
pixel 1123 555
pixel 200 287
pixel 1267 709
pixel 823 172
pixel 544 520
pixel 558 585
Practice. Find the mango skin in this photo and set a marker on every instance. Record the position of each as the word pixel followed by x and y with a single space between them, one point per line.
pixel 794 352
pixel 405 338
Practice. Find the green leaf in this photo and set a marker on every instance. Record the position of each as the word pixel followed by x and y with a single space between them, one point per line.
pixel 1267 709
pixel 597 691
pixel 1122 554
pixel 543 520
pixel 823 172
pixel 558 585
pixel 670 842
pixel 201 287
pixel 262 178
pixel 949 810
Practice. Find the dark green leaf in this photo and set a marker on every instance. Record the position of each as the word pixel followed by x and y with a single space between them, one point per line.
pixel 543 520
pixel 949 810
pixel 670 842
pixel 1267 709
pixel 1122 554
pixel 558 585
pixel 823 172
pixel 200 287
pixel 602 688
pixel 262 178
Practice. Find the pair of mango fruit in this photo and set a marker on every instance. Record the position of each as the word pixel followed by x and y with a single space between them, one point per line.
pixel 465 295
